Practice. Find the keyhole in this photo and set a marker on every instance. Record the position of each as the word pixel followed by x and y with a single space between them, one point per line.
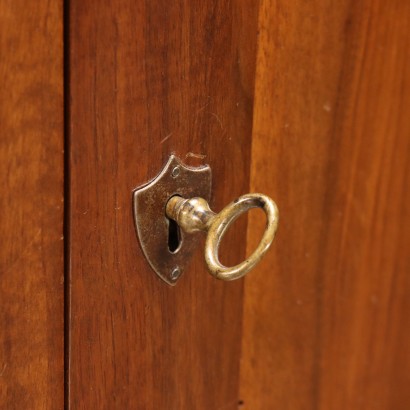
pixel 174 236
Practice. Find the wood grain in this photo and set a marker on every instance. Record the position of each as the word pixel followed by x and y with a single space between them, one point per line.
pixel 326 322
pixel 31 203
pixel 148 79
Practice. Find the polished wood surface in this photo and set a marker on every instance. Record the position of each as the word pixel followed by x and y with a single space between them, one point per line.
pixel 326 322
pixel 148 79
pixel 31 203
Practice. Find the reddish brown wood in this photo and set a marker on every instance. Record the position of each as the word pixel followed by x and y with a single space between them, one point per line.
pixel 327 315
pixel 148 79
pixel 31 203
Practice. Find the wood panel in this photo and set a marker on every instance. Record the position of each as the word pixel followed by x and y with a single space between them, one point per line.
pixel 31 222
pixel 148 79
pixel 326 322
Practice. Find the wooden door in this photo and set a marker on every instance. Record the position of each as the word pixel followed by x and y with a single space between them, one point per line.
pixel 327 315
pixel 32 205
pixel 304 101
pixel 148 79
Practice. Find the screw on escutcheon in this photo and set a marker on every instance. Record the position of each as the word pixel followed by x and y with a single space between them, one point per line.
pixel 175 273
